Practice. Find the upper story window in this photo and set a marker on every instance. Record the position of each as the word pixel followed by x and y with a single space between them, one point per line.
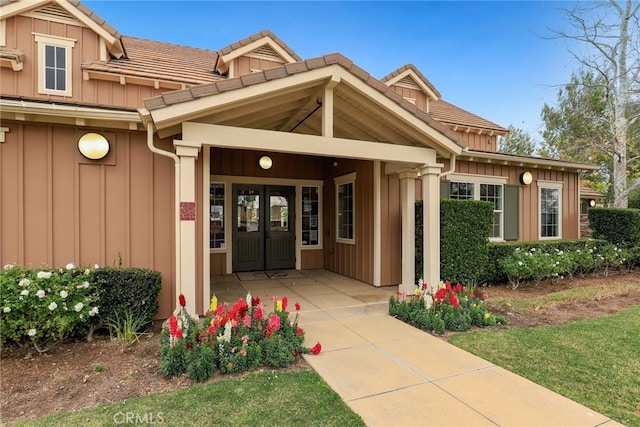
pixel 345 204
pixel 54 64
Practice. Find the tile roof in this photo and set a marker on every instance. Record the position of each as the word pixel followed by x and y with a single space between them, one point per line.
pixel 415 70
pixel 450 114
pixel 178 96
pixel 258 36
pixel 159 60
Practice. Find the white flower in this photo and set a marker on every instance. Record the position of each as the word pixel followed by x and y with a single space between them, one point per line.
pixel 519 262
pixel 24 282
pixel 84 285
pixel 8 267
pixel 40 293
pixel 96 266
pixel 87 271
pixel 63 294
pixel 248 299
pixel 32 332
pixel 44 274
pixel 7 309
pixel 93 311
pixel 53 306
pixel 25 292
pixel 78 307
pixel 70 266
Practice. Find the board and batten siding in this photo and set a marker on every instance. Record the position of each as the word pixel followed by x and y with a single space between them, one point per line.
pixel 58 207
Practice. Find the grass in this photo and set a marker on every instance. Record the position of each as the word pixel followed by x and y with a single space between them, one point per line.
pixel 579 294
pixel 283 398
pixel 595 362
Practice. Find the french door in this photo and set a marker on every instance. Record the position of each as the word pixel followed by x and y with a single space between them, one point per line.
pixel 263 227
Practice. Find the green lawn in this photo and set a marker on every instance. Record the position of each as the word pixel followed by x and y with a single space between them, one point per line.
pixel 263 398
pixel 595 362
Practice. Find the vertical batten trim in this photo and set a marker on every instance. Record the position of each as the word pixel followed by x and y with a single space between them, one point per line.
pixel 206 228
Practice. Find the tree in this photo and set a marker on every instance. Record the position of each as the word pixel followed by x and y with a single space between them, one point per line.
pixel 518 142
pixel 610 32
pixel 576 128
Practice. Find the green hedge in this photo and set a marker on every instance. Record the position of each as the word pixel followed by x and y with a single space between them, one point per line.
pixel 465 227
pixel 500 251
pixel 618 226
pixel 127 289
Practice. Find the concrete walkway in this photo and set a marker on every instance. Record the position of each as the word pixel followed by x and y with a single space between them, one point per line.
pixel 393 374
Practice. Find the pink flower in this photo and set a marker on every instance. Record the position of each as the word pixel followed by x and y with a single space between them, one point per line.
pixel 183 301
pixel 274 323
pixel 247 321
pixel 316 349
pixel 245 339
pixel 243 352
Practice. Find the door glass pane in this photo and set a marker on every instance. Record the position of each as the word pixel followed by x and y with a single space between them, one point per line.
pixel 278 212
pixel 248 211
pixel 216 203
pixel 310 209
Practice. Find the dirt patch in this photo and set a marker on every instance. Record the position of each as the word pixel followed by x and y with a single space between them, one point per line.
pixel 78 375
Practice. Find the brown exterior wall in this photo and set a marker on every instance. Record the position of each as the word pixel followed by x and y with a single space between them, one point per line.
pixel 391 233
pixel 245 64
pixel 24 83
pixel 418 95
pixel 480 142
pixel 529 205
pixel 58 207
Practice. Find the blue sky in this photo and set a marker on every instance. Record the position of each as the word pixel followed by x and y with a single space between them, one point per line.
pixel 486 57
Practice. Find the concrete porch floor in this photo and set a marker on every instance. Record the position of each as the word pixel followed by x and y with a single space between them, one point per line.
pixel 393 374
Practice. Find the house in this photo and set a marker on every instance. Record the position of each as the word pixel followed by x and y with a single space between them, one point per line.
pixel 197 163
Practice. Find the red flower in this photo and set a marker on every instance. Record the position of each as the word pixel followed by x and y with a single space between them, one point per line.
pixel 173 325
pixel 316 349
pixel 258 313
pixel 299 332
pixel 179 333
pixel 424 286
pixel 485 296
pixel 297 306
pixel 183 301
pixel 458 288
pixel 255 301
pixel 285 303
pixel 441 294
pixel 189 346
pixel 447 285
pixel 454 300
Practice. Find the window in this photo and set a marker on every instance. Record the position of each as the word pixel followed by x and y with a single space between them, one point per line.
pixel 550 214
pixel 310 216
pixel 493 193
pixel 54 66
pixel 216 206
pixel 345 203
pixel 485 188
pixel 461 190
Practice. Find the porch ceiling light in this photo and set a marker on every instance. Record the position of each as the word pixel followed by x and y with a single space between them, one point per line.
pixel 265 162
pixel 526 178
pixel 93 146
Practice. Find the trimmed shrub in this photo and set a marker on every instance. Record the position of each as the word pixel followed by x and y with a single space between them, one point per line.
pixel 618 226
pixel 127 290
pixel 465 227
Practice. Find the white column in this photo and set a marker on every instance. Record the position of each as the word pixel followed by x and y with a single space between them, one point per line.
pixel 431 224
pixel 407 205
pixel 188 153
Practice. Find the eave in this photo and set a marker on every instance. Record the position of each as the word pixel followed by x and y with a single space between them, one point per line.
pixel 524 161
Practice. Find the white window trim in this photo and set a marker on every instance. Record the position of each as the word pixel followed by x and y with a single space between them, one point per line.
pixel 301 210
pixel 43 40
pixel 476 180
pixel 341 180
pixel 225 186
pixel 3 32
pixel 557 185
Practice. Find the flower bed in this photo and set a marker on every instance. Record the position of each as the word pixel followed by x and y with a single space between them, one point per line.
pixel 453 308
pixel 232 338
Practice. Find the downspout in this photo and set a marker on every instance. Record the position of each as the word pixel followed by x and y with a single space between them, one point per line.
pixel 176 161
pixel 452 166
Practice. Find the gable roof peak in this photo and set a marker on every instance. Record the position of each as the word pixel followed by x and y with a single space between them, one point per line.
pixel 252 43
pixel 411 71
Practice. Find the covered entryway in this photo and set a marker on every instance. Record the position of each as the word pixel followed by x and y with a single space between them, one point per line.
pixel 263 227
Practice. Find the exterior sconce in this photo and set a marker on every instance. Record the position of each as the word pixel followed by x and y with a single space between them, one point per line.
pixel 592 203
pixel 265 162
pixel 526 178
pixel 93 146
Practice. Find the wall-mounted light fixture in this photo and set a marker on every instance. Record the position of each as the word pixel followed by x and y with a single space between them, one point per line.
pixel 592 203
pixel 93 146
pixel 526 178
pixel 265 162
